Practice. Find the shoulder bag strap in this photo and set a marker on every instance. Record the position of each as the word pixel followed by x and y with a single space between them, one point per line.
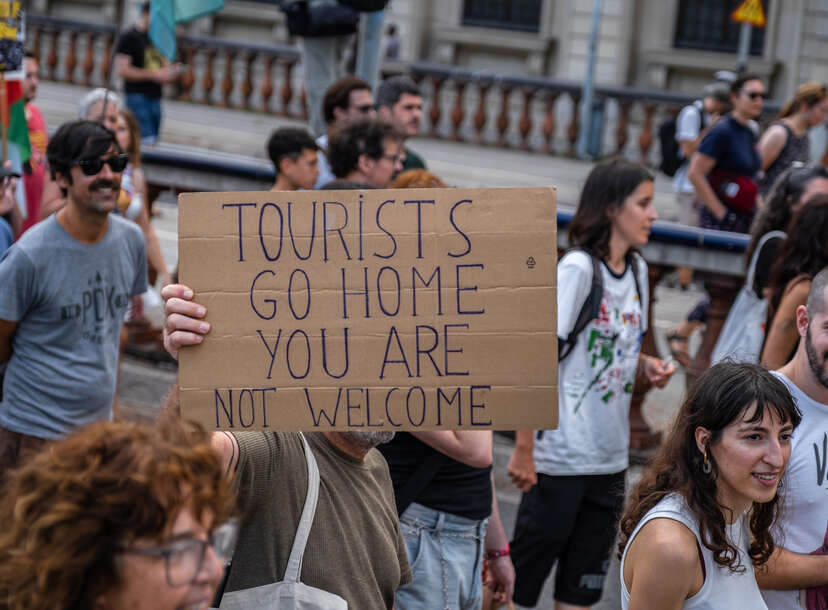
pixel 751 273
pixel 294 566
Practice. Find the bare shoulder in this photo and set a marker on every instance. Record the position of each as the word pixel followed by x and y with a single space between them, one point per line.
pixel 797 293
pixel 775 133
pixel 668 544
pixel 662 567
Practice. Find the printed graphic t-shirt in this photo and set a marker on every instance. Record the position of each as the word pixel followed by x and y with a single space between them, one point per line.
pixel 69 301
pixel 804 519
pixel 142 55
pixel 596 378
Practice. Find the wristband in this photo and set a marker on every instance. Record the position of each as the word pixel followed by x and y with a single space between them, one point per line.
pixel 494 554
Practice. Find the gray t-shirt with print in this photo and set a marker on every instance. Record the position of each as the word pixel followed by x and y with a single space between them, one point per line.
pixel 69 301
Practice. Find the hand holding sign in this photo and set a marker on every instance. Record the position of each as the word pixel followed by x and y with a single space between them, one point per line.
pixel 184 324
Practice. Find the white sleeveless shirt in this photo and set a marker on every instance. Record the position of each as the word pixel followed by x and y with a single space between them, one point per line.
pixel 723 589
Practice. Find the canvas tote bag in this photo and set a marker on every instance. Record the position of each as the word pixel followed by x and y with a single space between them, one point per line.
pixel 290 594
pixel 743 332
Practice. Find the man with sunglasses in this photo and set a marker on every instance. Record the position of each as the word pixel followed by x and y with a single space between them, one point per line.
pixel 347 99
pixel 66 286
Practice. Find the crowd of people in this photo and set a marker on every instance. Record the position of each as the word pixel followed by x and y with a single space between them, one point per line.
pixel 732 179
pixel 101 513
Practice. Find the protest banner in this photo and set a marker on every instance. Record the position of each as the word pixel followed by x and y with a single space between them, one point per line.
pixel 375 309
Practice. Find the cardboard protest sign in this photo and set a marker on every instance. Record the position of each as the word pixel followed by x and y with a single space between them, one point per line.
pixel 375 309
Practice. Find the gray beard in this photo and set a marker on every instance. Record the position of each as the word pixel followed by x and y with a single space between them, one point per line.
pixel 368 440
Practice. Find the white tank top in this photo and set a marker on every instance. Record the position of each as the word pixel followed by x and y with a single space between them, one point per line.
pixel 723 589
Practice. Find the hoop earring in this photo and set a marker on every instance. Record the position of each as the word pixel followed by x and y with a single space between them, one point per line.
pixel 706 467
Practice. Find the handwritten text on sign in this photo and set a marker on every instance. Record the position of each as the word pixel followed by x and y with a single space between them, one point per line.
pixel 386 309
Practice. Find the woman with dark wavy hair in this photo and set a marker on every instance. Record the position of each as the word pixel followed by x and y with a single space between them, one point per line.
pixel 117 516
pixel 699 520
pixel 802 255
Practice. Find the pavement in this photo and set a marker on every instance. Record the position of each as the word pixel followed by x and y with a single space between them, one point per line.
pixel 143 385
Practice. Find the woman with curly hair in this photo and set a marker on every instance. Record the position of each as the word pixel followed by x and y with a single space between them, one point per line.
pixel 700 519
pixel 802 255
pixel 119 515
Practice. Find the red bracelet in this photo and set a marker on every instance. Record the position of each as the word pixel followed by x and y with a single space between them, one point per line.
pixel 497 553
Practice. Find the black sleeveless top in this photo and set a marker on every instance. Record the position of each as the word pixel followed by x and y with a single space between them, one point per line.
pixel 456 489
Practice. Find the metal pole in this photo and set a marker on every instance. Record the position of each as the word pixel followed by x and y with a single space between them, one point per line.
pixel 589 85
pixel 744 47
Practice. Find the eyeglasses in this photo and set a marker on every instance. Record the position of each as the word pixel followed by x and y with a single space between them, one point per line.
pixel 183 558
pixel 754 95
pixel 91 167
pixel 392 158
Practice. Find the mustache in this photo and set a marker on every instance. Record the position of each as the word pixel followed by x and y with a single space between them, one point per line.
pixel 104 184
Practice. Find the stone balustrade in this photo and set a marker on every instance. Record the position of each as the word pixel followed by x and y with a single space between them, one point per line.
pixel 528 113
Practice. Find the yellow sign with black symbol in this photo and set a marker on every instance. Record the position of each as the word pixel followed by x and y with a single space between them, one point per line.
pixel 750 11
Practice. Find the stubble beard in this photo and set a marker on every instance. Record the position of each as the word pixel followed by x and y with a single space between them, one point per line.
pixel 817 366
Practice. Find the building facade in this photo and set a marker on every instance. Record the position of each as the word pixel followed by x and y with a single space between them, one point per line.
pixel 663 44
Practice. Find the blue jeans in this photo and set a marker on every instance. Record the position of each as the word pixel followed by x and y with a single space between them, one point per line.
pixel 147 111
pixel 446 554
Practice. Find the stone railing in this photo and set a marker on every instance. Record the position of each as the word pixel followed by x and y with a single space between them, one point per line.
pixel 536 114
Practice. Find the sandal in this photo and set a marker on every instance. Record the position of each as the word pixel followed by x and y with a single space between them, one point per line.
pixel 677 344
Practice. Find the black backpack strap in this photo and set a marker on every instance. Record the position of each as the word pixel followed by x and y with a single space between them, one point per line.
pixel 419 480
pixel 589 310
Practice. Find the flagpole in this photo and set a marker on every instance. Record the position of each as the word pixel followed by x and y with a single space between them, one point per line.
pixel 4 113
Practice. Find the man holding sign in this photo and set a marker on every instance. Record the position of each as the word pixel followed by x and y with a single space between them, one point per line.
pixel 355 549
pixel 355 314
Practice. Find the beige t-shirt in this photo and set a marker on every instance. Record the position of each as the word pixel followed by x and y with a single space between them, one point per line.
pixel 355 548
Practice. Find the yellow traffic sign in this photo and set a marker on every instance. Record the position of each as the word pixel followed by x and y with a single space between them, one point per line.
pixel 750 11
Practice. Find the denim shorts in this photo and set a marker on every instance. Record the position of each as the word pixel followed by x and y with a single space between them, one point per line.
pixel 446 554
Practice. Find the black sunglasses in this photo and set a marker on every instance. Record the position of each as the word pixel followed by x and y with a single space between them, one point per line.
pixel 91 167
pixel 755 94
